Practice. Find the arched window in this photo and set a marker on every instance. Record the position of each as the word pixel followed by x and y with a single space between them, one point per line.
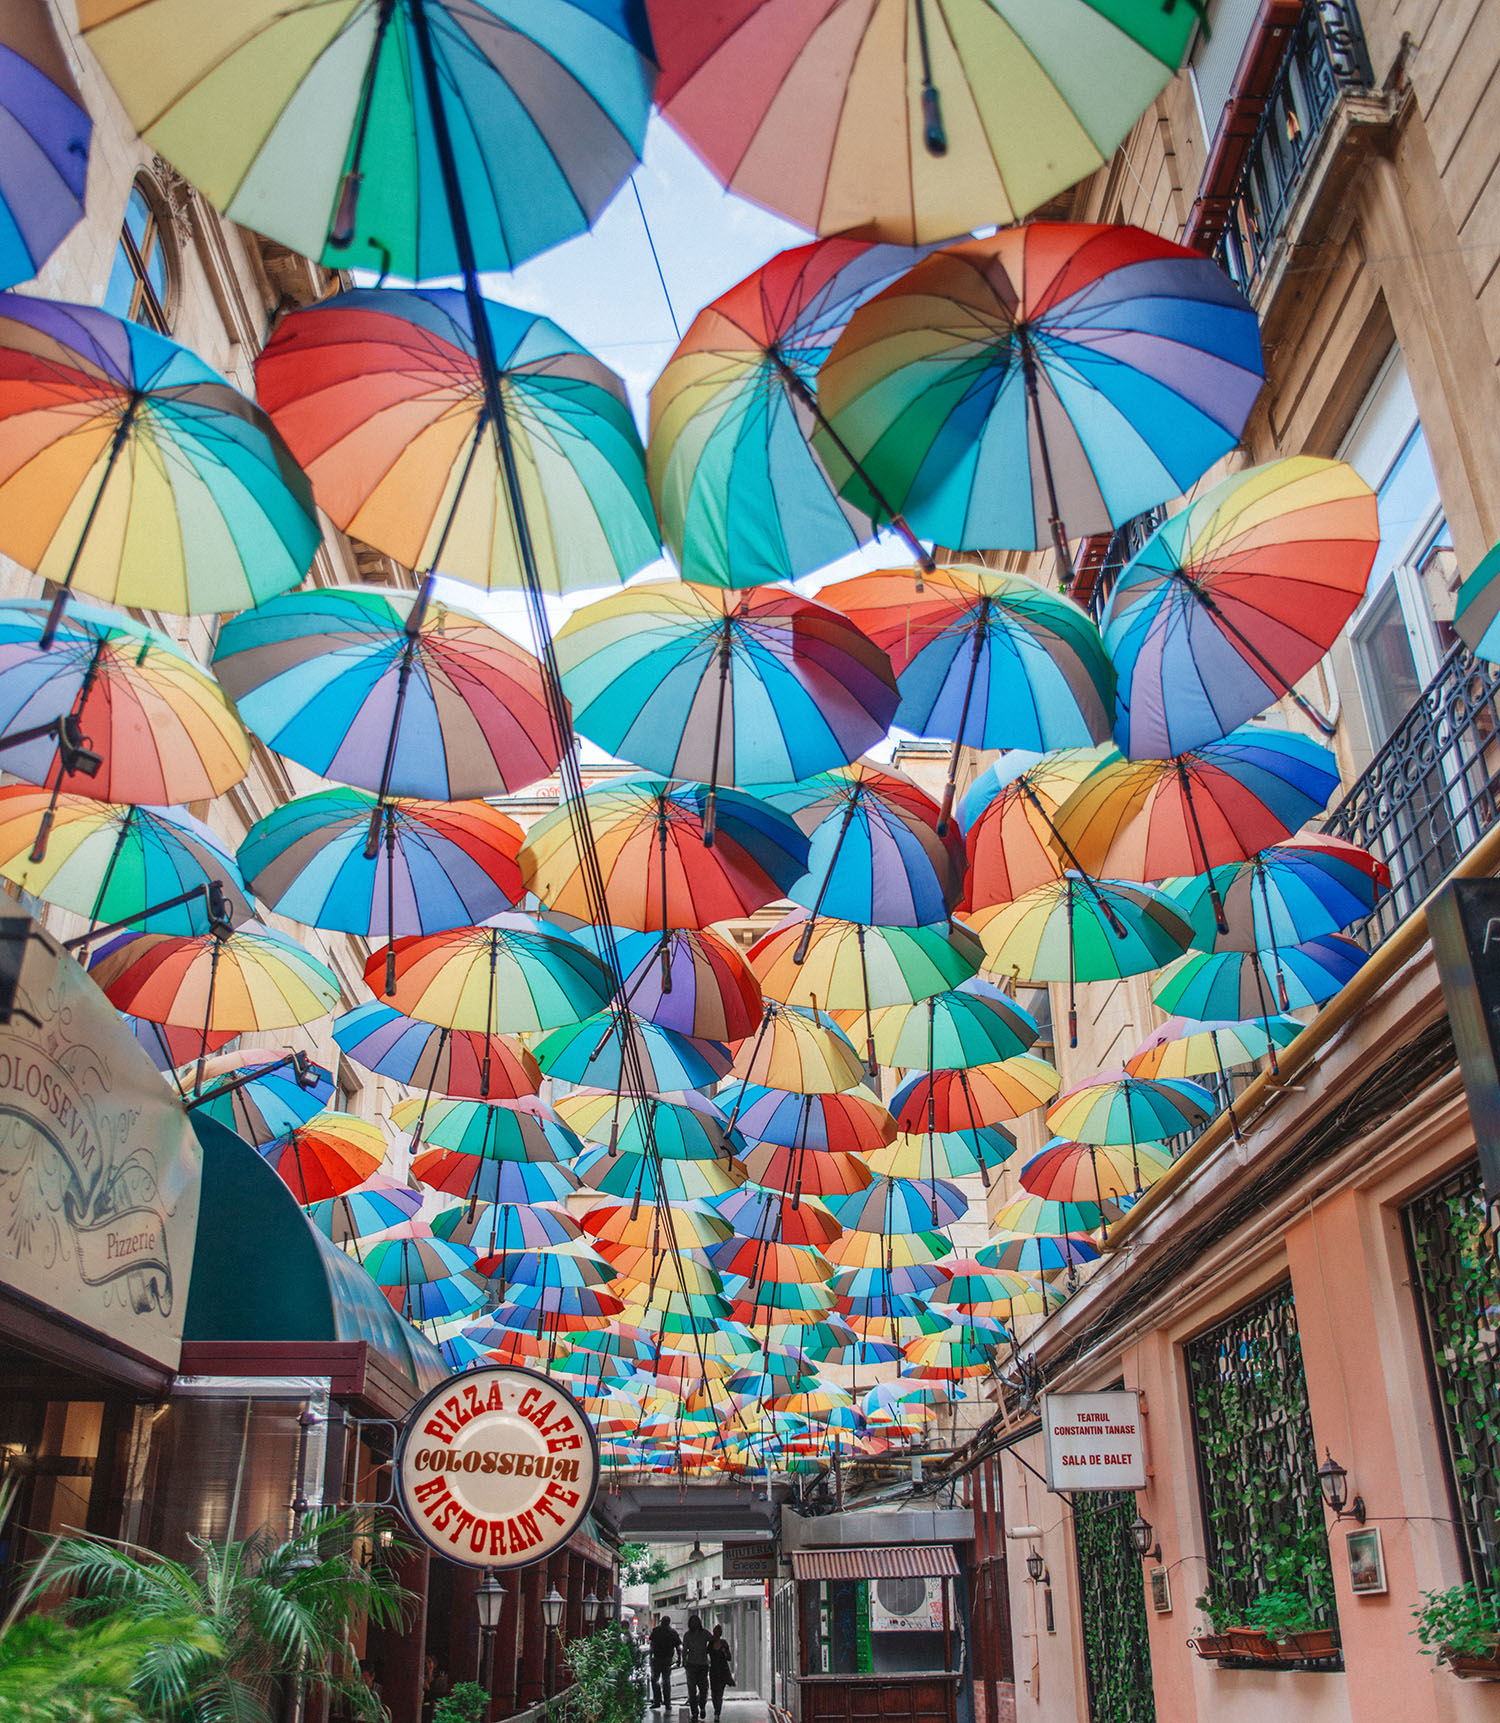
pixel 140 279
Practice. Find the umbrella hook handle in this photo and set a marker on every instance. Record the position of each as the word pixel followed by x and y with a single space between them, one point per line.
pixel 934 133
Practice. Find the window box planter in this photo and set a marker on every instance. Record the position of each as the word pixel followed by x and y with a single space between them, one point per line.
pixel 1252 1642
pixel 1210 1645
pixel 1470 1668
pixel 1321 1642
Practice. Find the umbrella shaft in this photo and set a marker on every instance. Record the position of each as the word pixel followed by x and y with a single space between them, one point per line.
pixel 59 604
pixel 1300 701
pixel 1054 518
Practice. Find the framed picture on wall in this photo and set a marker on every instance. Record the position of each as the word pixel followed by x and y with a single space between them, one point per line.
pixel 1366 1561
pixel 1161 1591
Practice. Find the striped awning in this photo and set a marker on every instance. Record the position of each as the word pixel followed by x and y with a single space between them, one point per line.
pixel 901 1561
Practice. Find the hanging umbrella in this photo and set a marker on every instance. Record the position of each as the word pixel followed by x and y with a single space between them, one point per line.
pixel 801 1050
pixel 374 1206
pixel 485 1131
pixel 1478 606
pixel 1237 984
pixel 649 846
pixel 327 130
pixel 437 865
pixel 944 1154
pixel 530 1272
pixel 743 498
pixel 130 470
pixel 1181 1047
pixel 628 1125
pixel 157 722
pixel 491 1180
pixel 985 659
pixel 1053 379
pixel 377 394
pixel 1115 1107
pixel 1007 815
pixel 1234 599
pixel 1039 1253
pixel 402 1265
pixel 763 1214
pixel 656 1181
pixel 46 129
pixel 850 1121
pixel 895 1205
pixel 966 1099
pixel 501 1229
pixel 1093 1172
pixel 596 1054
pixel 738 688
pixel 275 1093
pixel 1045 1217
pixel 691 982
pixel 507 979
pixel 975 1024
pixel 1080 929
pixel 110 862
pixel 326 1155
pixel 393 692
pixel 635 1225
pixel 795 1173
pixel 911 123
pixel 168 1046
pixel 1223 802
pixel 442 1061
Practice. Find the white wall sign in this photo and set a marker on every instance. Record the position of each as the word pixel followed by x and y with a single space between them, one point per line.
pixel 1094 1441
pixel 497 1467
pixel 99 1167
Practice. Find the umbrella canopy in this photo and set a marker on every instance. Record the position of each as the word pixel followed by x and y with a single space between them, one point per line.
pixel 1115 1107
pixel 1182 1047
pixel 436 866
pixel 628 1224
pixel 1053 379
pixel 851 1121
pixel 1007 815
pixel 944 1154
pixel 47 128
pixel 636 1126
pixel 849 966
pixel 502 1228
pixel 910 123
pixel 656 1181
pixel 442 1061
pixel 1234 599
pixel 803 1051
pixel 742 496
pixel 1237 984
pixel 159 723
pixel 321 127
pixel 1478 607
pixel 649 845
pixel 486 1131
pixel 505 979
pixel 690 982
pixel 390 691
pixel 966 1099
pixel 743 688
pixel 109 862
pixel 378 395
pixel 1096 1173
pixel 512 1184
pixel 1044 1218
pixel 763 1214
pixel 273 1097
pixel 326 1155
pixel 374 1206
pixel 130 470
pixel 894 1205
pixel 1039 1253
pixel 796 1173
pixel 1289 892
pixel 975 1024
pixel 594 1054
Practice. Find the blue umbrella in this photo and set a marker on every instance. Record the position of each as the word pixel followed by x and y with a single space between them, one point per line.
pixel 46 129
pixel 1238 984
pixel 590 1054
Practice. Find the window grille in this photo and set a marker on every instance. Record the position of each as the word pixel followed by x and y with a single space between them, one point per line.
pixel 1112 1607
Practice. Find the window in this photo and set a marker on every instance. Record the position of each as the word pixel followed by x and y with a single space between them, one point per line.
pixel 140 279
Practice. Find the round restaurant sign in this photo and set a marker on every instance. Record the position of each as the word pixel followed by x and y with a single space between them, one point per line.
pixel 497 1467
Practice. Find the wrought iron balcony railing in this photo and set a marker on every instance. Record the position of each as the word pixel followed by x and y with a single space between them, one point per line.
pixel 1124 542
pixel 1325 57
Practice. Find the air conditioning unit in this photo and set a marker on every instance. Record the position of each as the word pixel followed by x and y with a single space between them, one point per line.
pixel 906 1605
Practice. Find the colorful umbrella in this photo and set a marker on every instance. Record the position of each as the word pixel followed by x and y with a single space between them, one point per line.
pixel 691 982
pixel 1236 984
pixel 110 863
pixel 763 1214
pixel 796 1172
pixel 911 123
pixel 378 395
pixel 1052 373
pixel 272 1092
pixel 485 1131
pixel 1115 1107
pixel 966 1099
pixel 656 1181
pixel 742 496
pixel 944 1154
pixel 1181 1047
pixel 985 659
pixel 424 1278
pixel 803 1051
pixel 442 1061
pixel 46 128
pixel 436 866
pixel 1234 599
pixel 1223 802
pixel 514 1184
pixel 156 720
pixel 1039 1253
pixel 501 1229
pixel 326 1155
pixel 975 1024
pixel 851 1121
pixel 374 1206
pixel 130 470
pixel 1044 1217
pixel 894 1205
pixel 391 691
pixel 1093 1172
pixel 168 1046
pixel 1007 814
pixel 331 130
pixel 595 1054
pixel 727 688
pixel 1478 607
pixel 1080 929
pixel 649 846
pixel 631 1126
pixel 628 1224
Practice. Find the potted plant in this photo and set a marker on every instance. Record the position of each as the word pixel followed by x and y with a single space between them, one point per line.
pixel 1462 1625
pixel 1217 1609
pixel 1285 1615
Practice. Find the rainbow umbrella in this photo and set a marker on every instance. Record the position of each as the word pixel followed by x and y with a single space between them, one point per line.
pixel 436 865
pixel 865 1288
pixel 1212 986
pixel 442 1061
pixel 424 1278
pixel 899 1205
pixel 850 1121
pixel 1223 802
pixel 943 1154
pixel 326 1155
pixel 596 1053
pixel 328 130
pixel 158 723
pixel 630 1125
pixel 656 1181
pixel 513 1184
pixel 1234 599
pixel 169 1046
pixel 485 1131
pixel 1055 373
pixel 111 863
pixel 691 982
pixel 509 977
pixel 501 1229
pixel 793 687
pixel 1007 813
pixel 985 659
pixel 799 1050
pixel 274 1092
pixel 377 392
pixel 742 496
pixel 1093 1172
pixel 530 1271
pixel 628 1224
pixel 649 843
pixel 47 129
pixel 1081 929
pixel 911 123
pixel 1478 606
pixel 794 1173
pixel 1038 1253
pixel 968 1098
pixel 130 470
pixel 374 1206
pixel 975 1024
pixel 950 1357
pixel 393 692
pixel 1115 1107
pixel 1181 1047
pixel 762 1214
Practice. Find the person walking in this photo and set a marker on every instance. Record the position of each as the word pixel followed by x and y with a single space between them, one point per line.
pixel 695 1660
pixel 719 1672
pixel 665 1645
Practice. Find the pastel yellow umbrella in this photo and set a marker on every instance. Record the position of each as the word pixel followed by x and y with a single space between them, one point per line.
pixel 802 1051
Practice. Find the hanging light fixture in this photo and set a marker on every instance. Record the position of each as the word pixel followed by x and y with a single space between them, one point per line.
pixel 1143 1538
pixel 553 1605
pixel 591 1607
pixel 1034 1565
pixel 488 1600
pixel 1333 1481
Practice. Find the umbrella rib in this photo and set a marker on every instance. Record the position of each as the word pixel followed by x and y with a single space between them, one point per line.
pixel 1221 921
pixel 1302 703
